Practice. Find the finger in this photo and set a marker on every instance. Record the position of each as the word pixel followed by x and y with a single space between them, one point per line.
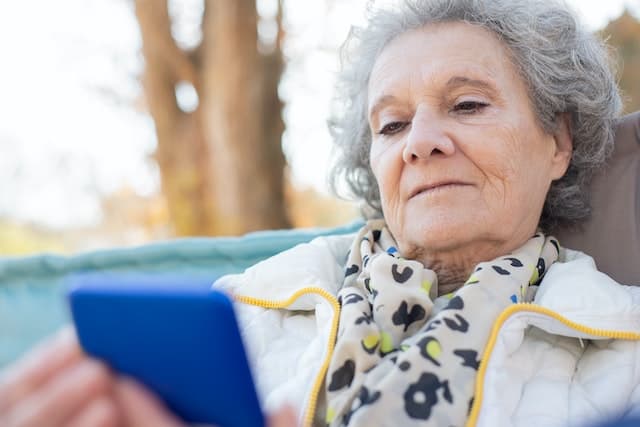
pixel 140 408
pixel 100 412
pixel 38 366
pixel 56 402
pixel 284 417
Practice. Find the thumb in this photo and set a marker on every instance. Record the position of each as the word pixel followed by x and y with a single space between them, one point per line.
pixel 142 408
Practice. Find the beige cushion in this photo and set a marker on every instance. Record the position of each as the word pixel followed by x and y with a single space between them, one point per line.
pixel 612 235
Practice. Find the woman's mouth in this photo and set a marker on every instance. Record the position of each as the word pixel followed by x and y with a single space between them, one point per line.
pixel 436 188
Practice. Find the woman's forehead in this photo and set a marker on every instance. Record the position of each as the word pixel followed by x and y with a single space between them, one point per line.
pixel 442 55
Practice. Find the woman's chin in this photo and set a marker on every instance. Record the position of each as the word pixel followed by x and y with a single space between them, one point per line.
pixel 432 237
pixel 439 232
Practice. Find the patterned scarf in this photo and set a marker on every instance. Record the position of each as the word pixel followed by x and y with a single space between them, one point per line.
pixel 405 356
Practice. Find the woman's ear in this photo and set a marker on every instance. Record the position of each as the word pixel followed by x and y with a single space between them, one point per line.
pixel 563 149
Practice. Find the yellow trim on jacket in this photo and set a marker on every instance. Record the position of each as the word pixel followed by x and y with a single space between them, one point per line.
pixel 310 410
pixel 536 309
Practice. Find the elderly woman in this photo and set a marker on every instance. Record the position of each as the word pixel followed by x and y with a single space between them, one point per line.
pixel 471 127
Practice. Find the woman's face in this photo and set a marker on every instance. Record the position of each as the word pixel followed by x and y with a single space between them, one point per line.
pixel 462 165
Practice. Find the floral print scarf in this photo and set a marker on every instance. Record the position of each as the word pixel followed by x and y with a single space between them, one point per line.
pixel 406 356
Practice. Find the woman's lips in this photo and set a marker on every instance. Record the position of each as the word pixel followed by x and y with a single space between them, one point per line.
pixel 435 188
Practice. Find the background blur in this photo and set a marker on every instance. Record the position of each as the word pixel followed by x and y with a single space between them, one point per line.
pixel 126 121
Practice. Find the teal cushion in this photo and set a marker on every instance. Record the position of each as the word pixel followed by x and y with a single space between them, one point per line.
pixel 32 301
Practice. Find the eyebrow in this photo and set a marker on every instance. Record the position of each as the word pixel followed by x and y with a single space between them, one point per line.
pixel 380 103
pixel 453 83
pixel 458 81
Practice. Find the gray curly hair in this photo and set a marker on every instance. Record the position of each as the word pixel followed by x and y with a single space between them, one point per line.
pixel 566 68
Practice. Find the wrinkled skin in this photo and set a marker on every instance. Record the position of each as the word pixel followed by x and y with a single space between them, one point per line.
pixel 462 164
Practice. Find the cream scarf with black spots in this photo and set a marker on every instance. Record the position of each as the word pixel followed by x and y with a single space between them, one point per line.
pixel 405 356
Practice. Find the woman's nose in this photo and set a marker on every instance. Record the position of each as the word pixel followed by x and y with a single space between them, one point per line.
pixel 427 136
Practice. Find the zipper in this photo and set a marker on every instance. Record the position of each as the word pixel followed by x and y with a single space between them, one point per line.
pixel 279 304
pixel 537 309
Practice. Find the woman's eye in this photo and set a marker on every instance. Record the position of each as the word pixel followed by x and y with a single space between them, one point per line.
pixel 467 107
pixel 391 128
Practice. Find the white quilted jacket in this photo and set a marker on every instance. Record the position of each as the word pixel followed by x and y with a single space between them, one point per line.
pixel 570 359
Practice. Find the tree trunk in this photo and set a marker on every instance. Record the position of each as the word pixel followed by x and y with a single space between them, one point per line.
pixel 222 166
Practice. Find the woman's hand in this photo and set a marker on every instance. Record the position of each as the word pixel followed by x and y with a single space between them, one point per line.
pixel 56 385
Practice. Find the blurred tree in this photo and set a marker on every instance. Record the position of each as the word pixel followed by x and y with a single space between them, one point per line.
pixel 309 208
pixel 221 165
pixel 21 239
pixel 624 34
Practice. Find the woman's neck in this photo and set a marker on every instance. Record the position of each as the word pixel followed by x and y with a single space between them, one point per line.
pixel 451 277
pixel 454 267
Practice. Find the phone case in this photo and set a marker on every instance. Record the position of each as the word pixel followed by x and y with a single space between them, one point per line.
pixel 181 341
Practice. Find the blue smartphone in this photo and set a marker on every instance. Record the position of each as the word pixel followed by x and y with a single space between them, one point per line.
pixel 180 340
